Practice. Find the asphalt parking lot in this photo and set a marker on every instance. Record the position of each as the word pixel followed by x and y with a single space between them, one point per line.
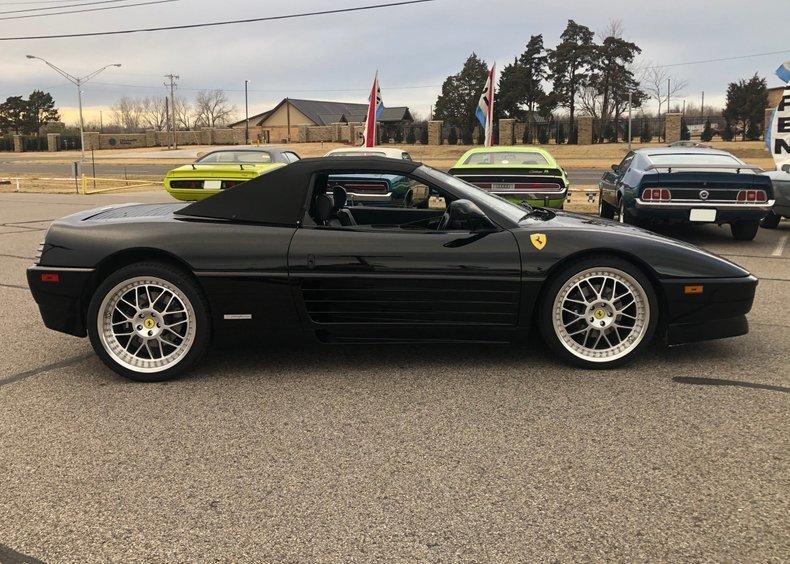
pixel 399 453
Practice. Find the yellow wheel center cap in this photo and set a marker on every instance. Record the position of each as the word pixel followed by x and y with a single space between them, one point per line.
pixel 149 323
pixel 600 314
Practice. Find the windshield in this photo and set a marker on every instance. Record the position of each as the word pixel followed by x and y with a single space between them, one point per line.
pixel 693 158
pixel 221 157
pixel 501 205
pixel 506 158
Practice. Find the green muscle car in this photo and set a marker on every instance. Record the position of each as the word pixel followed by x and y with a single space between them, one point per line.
pixel 223 168
pixel 518 173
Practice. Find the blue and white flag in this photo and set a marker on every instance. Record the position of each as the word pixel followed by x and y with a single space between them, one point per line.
pixel 783 72
pixel 485 108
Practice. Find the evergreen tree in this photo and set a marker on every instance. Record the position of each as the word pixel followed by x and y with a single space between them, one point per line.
pixel 39 111
pixel 707 132
pixel 543 135
pixel 460 93
pixel 424 134
pixel 685 134
pixel 746 103
pixel 728 134
pixel 411 139
pixel 398 135
pixel 753 131
pixel 452 137
pixel 13 113
pixel 560 135
pixel 568 63
pixel 646 135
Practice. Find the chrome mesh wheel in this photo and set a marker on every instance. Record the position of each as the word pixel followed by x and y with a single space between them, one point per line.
pixel 146 324
pixel 601 314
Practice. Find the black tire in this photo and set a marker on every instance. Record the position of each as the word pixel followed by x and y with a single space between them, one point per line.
pixel 558 281
pixel 624 215
pixel 605 210
pixel 771 221
pixel 181 281
pixel 744 230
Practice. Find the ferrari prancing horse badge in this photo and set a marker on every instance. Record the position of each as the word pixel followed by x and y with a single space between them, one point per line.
pixel 538 240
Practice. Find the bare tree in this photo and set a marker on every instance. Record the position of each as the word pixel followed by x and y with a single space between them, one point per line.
pixel 154 113
pixel 185 117
pixel 212 108
pixel 127 113
pixel 654 83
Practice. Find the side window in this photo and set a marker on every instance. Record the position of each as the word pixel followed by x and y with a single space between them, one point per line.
pixel 291 157
pixel 406 156
pixel 387 190
pixel 626 162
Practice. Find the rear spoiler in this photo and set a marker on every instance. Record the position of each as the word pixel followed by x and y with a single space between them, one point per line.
pixel 738 167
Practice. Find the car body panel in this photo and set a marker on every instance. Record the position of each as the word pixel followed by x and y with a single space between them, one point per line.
pixel 781 185
pixel 284 275
pixel 516 181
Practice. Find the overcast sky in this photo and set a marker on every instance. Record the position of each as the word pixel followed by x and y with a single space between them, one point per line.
pixel 334 57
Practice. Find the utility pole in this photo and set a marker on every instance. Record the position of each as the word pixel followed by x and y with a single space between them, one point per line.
pixel 173 78
pixel 702 105
pixel 78 81
pixel 630 94
pixel 246 115
pixel 101 123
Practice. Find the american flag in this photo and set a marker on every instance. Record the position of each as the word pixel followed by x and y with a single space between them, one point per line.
pixel 375 107
pixel 485 107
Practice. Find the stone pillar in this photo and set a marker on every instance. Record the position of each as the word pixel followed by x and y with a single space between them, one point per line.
pixel 150 138
pixel 238 136
pixel 507 128
pixel 18 145
pixel 53 142
pixel 337 131
pixel 206 136
pixel 585 129
pixel 769 113
pixel 673 126
pixel 355 129
pixel 435 132
pixel 91 139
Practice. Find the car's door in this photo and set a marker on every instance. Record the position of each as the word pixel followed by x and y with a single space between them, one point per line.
pixel 387 282
pixel 610 181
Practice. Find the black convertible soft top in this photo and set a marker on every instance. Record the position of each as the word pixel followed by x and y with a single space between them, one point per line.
pixel 279 196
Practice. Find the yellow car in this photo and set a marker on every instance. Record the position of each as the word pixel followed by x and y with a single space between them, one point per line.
pixel 223 168
pixel 517 173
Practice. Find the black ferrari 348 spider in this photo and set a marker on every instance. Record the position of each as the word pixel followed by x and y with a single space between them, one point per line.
pixel 285 254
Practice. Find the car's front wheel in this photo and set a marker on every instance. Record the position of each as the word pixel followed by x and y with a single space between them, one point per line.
pixel 745 230
pixel 149 322
pixel 598 312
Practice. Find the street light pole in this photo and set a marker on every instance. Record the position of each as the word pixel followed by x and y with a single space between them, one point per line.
pixel 629 120
pixel 78 82
pixel 246 116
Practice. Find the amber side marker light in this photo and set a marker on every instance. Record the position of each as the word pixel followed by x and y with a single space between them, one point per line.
pixel 692 290
pixel 50 277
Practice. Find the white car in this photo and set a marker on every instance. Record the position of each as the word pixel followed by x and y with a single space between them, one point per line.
pixel 389 152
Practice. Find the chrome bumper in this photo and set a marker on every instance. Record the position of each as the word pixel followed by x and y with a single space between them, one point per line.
pixel 688 205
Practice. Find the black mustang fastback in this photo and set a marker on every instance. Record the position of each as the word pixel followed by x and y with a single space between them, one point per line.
pixel 682 185
pixel 283 255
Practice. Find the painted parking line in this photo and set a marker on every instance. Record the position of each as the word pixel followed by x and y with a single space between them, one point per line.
pixel 722 382
pixel 780 246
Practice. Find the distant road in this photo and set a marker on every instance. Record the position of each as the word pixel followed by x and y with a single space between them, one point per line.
pixel 578 176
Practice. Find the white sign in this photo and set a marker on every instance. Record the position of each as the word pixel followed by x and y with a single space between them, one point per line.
pixel 778 138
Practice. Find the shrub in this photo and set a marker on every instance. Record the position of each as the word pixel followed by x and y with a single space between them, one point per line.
pixel 753 131
pixel 411 139
pixel 685 134
pixel 707 132
pixel 560 135
pixel 645 136
pixel 728 134
pixel 452 137
pixel 424 134
pixel 543 135
pixel 398 136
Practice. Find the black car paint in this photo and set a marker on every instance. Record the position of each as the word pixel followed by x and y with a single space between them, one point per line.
pixel 626 182
pixel 371 284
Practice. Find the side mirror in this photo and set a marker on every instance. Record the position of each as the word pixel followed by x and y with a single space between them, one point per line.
pixel 465 214
pixel 786 168
pixel 616 167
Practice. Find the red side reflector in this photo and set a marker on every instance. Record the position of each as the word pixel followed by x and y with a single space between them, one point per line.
pixel 692 290
pixel 50 277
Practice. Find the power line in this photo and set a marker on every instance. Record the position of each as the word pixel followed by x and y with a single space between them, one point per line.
pixel 116 7
pixel 212 24
pixel 58 6
pixel 719 60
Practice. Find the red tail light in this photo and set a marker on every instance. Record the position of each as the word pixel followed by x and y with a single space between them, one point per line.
pixel 752 196
pixel 50 277
pixel 656 195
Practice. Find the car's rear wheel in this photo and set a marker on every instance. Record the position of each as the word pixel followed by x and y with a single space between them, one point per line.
pixel 598 312
pixel 744 230
pixel 624 215
pixel 149 322
pixel 771 221
pixel 604 210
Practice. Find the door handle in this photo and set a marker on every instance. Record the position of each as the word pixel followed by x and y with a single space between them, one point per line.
pixel 311 262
